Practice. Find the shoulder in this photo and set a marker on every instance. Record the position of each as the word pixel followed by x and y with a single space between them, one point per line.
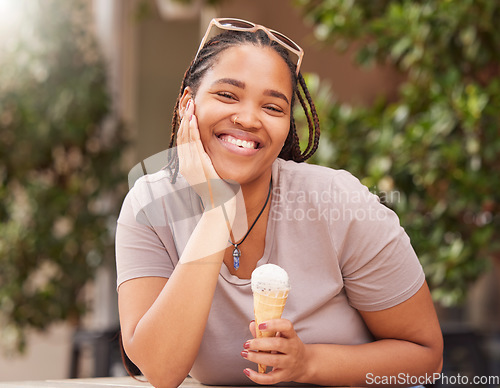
pixel 156 184
pixel 155 188
pixel 293 175
pixel 289 167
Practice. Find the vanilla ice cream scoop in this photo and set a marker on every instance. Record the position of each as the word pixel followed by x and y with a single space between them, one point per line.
pixel 269 278
pixel 270 287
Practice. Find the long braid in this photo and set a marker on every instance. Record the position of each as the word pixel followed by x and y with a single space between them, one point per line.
pixel 293 151
pixel 309 120
pixel 296 153
pixel 314 131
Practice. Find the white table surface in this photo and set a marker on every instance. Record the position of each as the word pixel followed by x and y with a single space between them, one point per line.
pixel 87 383
pixel 102 382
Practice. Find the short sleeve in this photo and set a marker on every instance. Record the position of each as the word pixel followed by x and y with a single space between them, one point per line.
pixel 144 247
pixel 379 266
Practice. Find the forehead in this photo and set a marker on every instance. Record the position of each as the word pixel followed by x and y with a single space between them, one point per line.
pixel 251 63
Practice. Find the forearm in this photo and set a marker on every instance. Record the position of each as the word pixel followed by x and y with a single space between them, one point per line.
pixel 368 364
pixel 166 339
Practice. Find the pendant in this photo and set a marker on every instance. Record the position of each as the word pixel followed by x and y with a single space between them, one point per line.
pixel 236 257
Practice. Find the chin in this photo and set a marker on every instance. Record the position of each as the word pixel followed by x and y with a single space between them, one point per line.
pixel 228 171
pixel 234 176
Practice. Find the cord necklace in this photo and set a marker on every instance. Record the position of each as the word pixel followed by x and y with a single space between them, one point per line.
pixel 236 251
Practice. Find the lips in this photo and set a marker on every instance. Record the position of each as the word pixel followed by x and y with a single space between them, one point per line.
pixel 242 143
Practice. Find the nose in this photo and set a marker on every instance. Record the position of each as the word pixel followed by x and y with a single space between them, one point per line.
pixel 248 118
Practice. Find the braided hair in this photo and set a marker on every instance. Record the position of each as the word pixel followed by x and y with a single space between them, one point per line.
pixel 206 59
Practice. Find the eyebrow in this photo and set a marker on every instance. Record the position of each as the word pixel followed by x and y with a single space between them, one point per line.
pixel 241 85
pixel 275 93
pixel 230 81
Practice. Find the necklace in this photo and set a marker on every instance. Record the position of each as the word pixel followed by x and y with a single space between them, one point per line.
pixel 236 251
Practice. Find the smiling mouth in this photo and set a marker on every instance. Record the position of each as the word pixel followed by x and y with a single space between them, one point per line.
pixel 249 144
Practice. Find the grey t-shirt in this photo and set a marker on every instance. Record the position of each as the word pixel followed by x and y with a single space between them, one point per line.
pixel 343 251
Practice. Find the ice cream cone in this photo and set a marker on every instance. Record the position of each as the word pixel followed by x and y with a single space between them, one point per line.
pixel 267 307
pixel 270 287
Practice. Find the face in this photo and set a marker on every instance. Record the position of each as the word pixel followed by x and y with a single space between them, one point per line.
pixel 251 84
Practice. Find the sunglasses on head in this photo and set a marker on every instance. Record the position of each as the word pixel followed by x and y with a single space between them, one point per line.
pixel 245 26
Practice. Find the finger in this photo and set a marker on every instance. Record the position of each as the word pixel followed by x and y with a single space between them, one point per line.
pixel 191 130
pixel 268 344
pixel 252 329
pixel 208 167
pixel 273 377
pixel 283 326
pixel 274 359
pixel 182 132
pixel 194 131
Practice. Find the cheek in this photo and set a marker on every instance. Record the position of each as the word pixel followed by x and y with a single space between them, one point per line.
pixel 204 119
pixel 281 133
pixel 209 113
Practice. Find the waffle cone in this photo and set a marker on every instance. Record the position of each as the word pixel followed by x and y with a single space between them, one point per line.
pixel 266 307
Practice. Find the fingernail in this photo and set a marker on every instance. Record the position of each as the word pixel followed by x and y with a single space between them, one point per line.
pixel 190 118
pixel 253 320
pixel 188 104
pixel 246 371
pixel 246 345
pixel 263 326
pixel 244 354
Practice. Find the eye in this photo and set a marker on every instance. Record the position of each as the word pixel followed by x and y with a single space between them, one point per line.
pixel 227 95
pixel 274 109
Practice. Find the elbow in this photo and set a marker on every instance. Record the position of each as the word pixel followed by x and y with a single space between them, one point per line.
pixel 435 372
pixel 436 360
pixel 165 379
pixel 439 349
pixel 160 374
pixel 439 366
pixel 165 374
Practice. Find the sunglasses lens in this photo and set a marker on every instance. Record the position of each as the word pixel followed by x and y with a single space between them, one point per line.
pixel 283 39
pixel 235 23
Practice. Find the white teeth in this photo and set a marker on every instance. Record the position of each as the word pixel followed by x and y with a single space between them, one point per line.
pixel 240 143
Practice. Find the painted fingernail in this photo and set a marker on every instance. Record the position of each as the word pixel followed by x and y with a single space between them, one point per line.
pixel 244 354
pixel 190 118
pixel 188 104
pixel 263 326
pixel 246 371
pixel 246 345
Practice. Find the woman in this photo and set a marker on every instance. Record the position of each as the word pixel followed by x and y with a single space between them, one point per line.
pixel 235 196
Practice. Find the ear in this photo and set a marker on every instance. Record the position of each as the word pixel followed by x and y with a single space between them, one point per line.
pixel 186 95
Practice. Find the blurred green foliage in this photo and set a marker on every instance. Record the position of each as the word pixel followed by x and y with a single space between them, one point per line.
pixel 60 177
pixel 433 152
